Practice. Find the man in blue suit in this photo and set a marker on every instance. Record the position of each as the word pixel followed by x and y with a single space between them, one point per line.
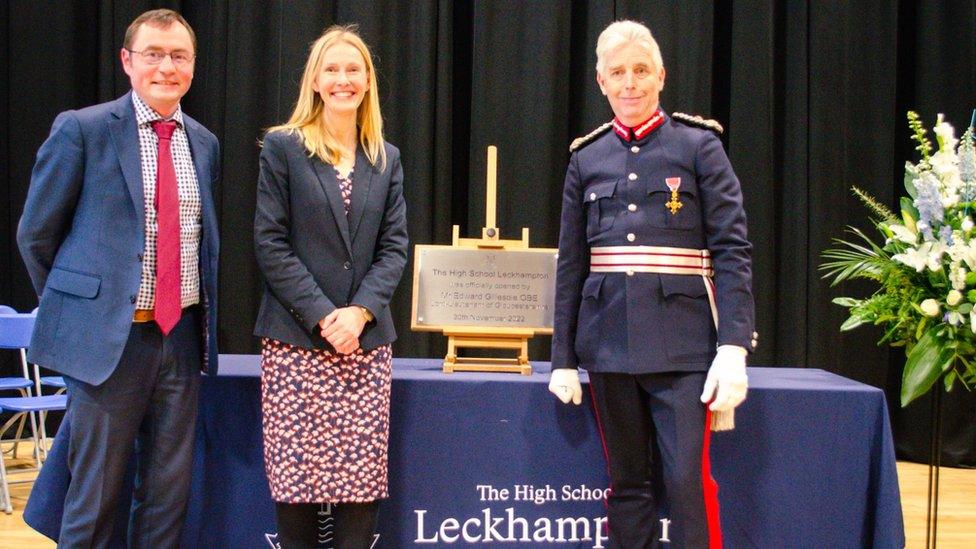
pixel 653 296
pixel 119 235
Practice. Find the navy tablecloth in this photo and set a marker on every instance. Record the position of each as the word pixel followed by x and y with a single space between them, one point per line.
pixel 494 460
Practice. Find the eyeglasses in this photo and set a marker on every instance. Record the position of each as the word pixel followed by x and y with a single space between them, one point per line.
pixel 155 57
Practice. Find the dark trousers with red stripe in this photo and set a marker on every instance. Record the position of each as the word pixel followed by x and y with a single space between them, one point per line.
pixel 656 441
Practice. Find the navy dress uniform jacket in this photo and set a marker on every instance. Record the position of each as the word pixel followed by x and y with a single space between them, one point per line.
pixel 313 257
pixel 614 195
pixel 82 237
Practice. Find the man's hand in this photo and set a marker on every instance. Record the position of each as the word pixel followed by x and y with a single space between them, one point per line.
pixel 727 381
pixel 341 328
pixel 565 384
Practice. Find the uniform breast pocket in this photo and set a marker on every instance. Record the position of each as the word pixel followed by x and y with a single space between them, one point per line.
pixel 681 212
pixel 598 200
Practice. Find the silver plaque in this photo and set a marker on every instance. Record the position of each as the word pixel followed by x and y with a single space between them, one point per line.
pixel 462 287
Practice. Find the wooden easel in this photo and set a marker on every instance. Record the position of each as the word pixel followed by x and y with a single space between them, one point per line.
pixel 489 337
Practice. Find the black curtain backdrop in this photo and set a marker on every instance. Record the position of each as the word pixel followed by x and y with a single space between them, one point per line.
pixel 812 94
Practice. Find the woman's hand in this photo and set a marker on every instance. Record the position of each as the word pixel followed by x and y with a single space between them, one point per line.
pixel 341 328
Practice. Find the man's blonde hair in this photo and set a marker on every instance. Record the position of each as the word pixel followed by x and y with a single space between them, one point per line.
pixel 308 118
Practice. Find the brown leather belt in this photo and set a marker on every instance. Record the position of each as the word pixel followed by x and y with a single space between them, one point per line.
pixel 144 315
pixel 149 315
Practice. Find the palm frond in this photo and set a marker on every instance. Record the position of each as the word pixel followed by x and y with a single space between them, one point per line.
pixel 851 259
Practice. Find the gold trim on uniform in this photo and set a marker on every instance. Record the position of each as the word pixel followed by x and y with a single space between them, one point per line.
pixel 580 142
pixel 695 120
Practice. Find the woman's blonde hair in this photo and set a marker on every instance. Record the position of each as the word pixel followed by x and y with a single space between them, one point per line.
pixel 308 118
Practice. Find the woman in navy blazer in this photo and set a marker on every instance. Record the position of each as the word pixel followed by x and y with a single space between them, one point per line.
pixel 331 241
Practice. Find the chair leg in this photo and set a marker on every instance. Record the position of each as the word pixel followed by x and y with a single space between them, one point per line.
pixel 43 440
pixel 20 428
pixel 34 432
pixel 20 433
pixel 43 414
pixel 5 495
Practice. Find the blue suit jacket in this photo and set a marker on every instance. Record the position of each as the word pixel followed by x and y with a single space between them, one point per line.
pixel 82 238
pixel 313 257
pixel 648 323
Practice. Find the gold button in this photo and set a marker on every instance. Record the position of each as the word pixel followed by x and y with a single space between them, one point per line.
pixel 630 273
pixel 632 207
pixel 632 177
pixel 634 149
pixel 592 196
pixel 630 237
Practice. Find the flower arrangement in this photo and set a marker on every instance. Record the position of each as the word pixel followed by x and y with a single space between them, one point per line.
pixel 926 266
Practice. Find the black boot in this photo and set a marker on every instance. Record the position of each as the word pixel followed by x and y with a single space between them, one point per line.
pixel 355 525
pixel 297 525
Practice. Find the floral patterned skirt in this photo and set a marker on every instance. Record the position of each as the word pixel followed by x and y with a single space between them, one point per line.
pixel 326 420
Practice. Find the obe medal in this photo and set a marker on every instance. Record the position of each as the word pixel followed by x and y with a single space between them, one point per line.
pixel 674 204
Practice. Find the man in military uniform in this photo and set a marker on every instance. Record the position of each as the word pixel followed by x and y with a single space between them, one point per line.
pixel 653 296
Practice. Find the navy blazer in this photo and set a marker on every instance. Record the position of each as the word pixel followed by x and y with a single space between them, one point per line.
pixel 614 195
pixel 313 257
pixel 82 238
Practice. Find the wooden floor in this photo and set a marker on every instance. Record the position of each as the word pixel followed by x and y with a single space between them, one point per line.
pixel 957 508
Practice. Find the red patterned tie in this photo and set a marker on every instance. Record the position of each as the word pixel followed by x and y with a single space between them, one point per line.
pixel 167 305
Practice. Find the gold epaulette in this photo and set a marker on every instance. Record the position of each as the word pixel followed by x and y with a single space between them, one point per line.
pixel 695 120
pixel 580 142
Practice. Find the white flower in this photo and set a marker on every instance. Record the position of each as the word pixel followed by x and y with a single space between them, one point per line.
pixel 929 254
pixel 953 297
pixel 934 255
pixel 972 321
pixel 903 233
pixel 967 224
pixel 945 165
pixel 959 251
pixel 954 318
pixel 950 199
pixel 945 134
pixel 930 307
pixel 957 276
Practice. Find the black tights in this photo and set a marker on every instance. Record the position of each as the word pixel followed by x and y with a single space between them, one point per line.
pixel 299 525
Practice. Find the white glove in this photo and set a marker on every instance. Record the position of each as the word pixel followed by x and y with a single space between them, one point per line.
pixel 565 384
pixel 727 381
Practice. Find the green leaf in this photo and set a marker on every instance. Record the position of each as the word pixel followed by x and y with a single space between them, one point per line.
pixel 967 372
pixel 854 260
pixel 845 301
pixel 965 308
pixel 928 359
pixel 948 379
pixel 921 327
pixel 908 209
pixel 911 173
pixel 854 321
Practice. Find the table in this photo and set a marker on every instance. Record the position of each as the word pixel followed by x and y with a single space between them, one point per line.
pixel 494 460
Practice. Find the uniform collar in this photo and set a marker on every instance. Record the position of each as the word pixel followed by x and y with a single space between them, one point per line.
pixel 640 131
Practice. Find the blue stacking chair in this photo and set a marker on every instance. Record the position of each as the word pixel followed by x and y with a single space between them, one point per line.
pixel 57 382
pixel 15 330
pixel 21 384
